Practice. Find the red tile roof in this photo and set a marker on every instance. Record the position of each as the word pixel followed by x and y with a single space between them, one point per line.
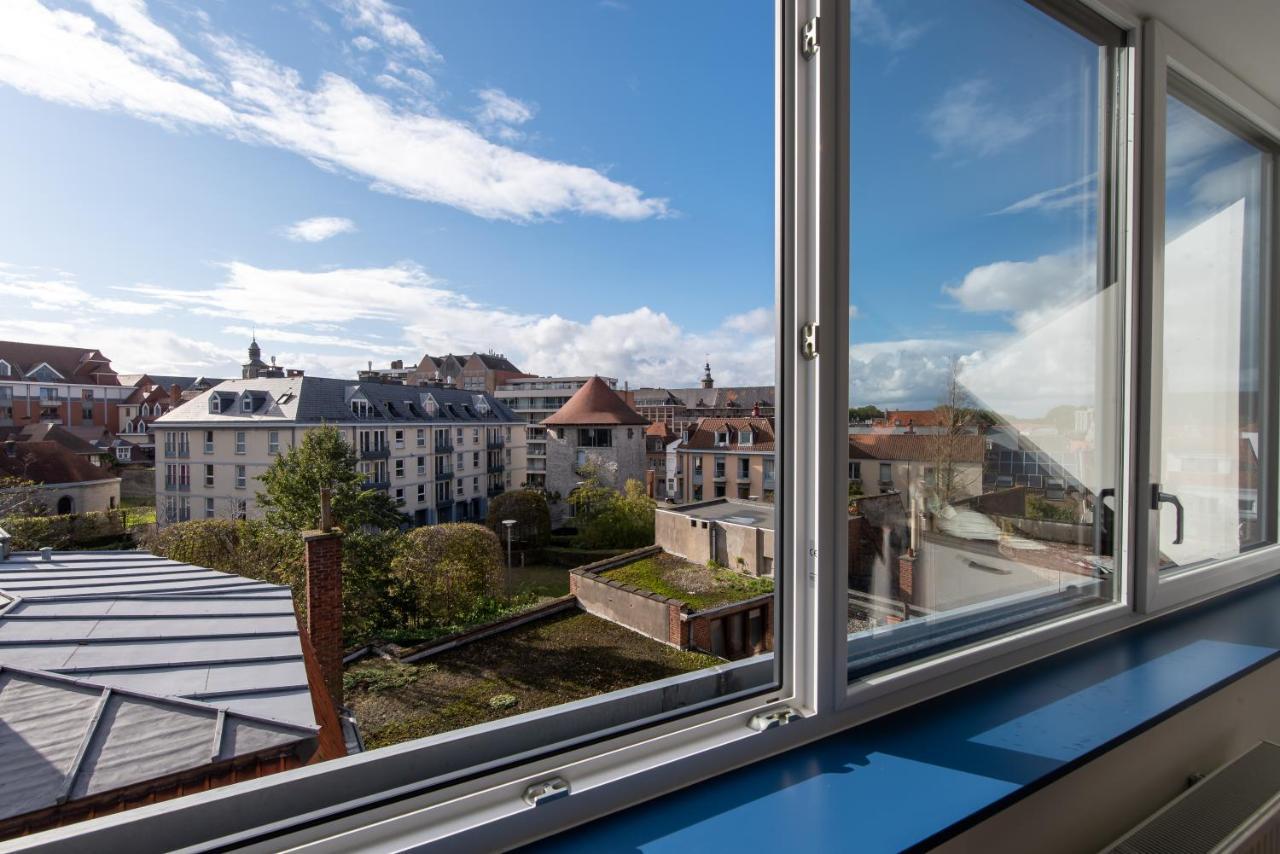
pixel 76 364
pixel 969 448
pixel 703 436
pixel 595 404
pixel 912 417
pixel 47 462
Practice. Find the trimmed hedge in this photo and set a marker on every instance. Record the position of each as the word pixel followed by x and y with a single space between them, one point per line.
pixel 72 531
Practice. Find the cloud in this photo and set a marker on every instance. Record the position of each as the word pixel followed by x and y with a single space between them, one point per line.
pixel 57 291
pixel 145 40
pixel 400 148
pixel 1070 195
pixel 871 25
pixel 364 43
pixel 968 120
pixel 380 19
pixel 1026 288
pixel 319 228
pixel 498 114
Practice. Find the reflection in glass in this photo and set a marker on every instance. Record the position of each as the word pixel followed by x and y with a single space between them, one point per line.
pixel 984 340
pixel 1213 332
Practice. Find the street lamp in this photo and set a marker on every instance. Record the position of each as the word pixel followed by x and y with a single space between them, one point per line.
pixel 510 523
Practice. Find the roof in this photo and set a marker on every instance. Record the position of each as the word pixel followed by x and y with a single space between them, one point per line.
pixel 595 404
pixel 493 361
pixel 48 462
pixel 967 448
pixel 47 431
pixel 118 668
pixel 315 400
pixel 76 364
pixel 703 436
pixel 660 430
pixel 728 397
pixel 912 417
pixel 733 511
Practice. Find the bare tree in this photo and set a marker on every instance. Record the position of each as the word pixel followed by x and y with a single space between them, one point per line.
pixel 953 443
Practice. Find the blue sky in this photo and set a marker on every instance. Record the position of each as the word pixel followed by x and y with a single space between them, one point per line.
pixel 585 186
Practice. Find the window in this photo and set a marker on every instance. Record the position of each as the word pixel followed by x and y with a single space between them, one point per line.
pixel 5 369
pixel 720 468
pixel 422 465
pixel 855 470
pixel 399 496
pixel 954 569
pixel 744 468
pixel 208 477
pixel 595 437
pixel 246 404
pixel 399 438
pixel 400 468
pixel 422 493
pixel 422 438
pixel 458 488
pixel 240 508
pixel 241 480
pixel 475 459
pixel 86 404
pixel 361 408
pixel 240 442
pixel 208 441
pixel 273 442
pixel 209 512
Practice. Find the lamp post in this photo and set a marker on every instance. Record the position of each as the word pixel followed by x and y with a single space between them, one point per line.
pixel 510 523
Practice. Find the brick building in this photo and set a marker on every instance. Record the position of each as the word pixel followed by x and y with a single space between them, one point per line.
pixel 71 386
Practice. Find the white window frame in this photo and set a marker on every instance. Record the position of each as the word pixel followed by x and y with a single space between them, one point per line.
pixel 481 807
pixel 1164 52
pixel 242 476
pixel 242 442
pixel 273 442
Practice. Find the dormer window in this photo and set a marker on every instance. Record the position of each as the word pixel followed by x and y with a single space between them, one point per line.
pixel 5 369
pixel 215 405
pixel 146 409
pixel 722 437
pixel 745 437
pixel 361 408
pixel 246 404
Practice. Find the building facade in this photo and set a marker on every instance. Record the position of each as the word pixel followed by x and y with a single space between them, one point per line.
pixel 440 454
pixel 71 386
pixel 63 482
pixel 896 462
pixel 727 458
pixel 595 426
pixel 535 399
pixel 480 372
pixel 681 407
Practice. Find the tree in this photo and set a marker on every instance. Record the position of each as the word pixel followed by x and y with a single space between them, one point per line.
pixel 442 573
pixel 961 420
pixel 532 514
pixel 291 486
pixel 865 413
pixel 20 497
pixel 607 519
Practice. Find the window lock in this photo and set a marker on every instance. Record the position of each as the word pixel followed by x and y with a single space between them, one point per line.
pixel 546 791
pixel 771 719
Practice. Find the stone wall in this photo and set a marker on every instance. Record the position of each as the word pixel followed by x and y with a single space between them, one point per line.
pixel 653 616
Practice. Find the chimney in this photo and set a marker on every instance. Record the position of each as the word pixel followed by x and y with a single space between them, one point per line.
pixel 175 395
pixel 755 410
pixel 322 560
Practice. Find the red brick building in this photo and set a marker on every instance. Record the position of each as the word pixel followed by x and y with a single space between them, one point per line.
pixel 71 386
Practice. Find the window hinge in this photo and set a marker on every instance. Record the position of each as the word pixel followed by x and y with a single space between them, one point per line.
pixel 809 341
pixel 546 791
pixel 809 39
pixel 775 718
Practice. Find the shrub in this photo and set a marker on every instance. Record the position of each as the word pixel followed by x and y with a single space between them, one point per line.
pixel 607 520
pixel 532 514
pixel 502 701
pixel 71 531
pixel 379 678
pixel 443 573
pixel 251 549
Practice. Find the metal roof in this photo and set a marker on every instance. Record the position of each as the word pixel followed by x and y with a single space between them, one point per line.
pixel 735 511
pixel 122 667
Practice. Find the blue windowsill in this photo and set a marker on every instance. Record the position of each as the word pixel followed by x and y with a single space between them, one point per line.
pixel 919 776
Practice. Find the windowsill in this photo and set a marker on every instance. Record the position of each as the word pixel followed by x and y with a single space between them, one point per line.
pixel 921 775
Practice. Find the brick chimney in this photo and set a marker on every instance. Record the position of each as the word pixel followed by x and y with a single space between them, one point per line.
pixel 175 396
pixel 322 559
pixel 755 409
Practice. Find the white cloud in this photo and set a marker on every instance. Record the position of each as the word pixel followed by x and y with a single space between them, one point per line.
pixel 968 120
pixel 1070 195
pixel 402 149
pixel 871 25
pixel 1025 288
pixel 499 114
pixel 364 43
pixel 57 291
pixel 379 18
pixel 319 228
pixel 145 39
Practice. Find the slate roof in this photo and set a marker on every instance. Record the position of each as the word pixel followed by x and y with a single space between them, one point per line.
pixel 48 462
pixel 76 364
pixel 166 380
pixel 969 448
pixel 47 431
pixel 703 436
pixel 728 397
pixel 117 668
pixel 595 404
pixel 315 400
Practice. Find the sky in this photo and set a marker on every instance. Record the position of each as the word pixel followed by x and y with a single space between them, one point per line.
pixel 587 187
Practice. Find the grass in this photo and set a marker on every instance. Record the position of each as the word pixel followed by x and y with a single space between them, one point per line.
pixel 700 586
pixel 556 660
pixel 139 511
pixel 538 580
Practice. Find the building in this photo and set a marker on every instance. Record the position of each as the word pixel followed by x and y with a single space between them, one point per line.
pixel 734 533
pixel 439 453
pixel 596 425
pixel 64 482
pixel 535 399
pixel 71 386
pixel 397 373
pixel 482 372
pixel 255 368
pixel 895 462
pixel 657 437
pixel 680 407
pixel 140 679
pixel 726 458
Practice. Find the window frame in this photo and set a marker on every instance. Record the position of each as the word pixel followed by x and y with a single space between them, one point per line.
pixel 1226 99
pixel 480 806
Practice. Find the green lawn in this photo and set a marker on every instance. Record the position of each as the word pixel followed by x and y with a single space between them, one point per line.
pixel 539 580
pixel 556 660
pixel 699 586
pixel 138 511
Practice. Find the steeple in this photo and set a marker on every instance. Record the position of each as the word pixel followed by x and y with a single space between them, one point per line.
pixel 255 352
pixel 707 381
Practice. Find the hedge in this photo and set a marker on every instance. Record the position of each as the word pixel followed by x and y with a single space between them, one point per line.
pixel 71 531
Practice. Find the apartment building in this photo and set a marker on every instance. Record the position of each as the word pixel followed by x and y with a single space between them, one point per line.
pixel 480 372
pixel 595 425
pixel 657 437
pixel 893 462
pixel 71 386
pixel 681 407
pixel 441 454
pixel 727 458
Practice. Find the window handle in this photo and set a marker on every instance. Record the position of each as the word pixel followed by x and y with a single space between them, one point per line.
pixel 1158 497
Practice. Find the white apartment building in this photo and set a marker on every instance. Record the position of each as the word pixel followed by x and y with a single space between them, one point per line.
pixel 533 399
pixel 441 453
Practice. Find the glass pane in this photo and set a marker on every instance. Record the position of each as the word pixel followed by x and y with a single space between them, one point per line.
pixel 502 273
pixel 1213 375
pixel 983 382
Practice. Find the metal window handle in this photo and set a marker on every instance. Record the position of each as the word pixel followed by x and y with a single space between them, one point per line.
pixel 1158 497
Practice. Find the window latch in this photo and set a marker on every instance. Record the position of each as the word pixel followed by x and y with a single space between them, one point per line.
pixel 546 791
pixel 772 719
pixel 809 341
pixel 809 39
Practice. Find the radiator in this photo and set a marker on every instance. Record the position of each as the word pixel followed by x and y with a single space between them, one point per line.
pixel 1234 809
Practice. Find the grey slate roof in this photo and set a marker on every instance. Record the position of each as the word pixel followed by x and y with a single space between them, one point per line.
pixel 322 399
pixel 121 667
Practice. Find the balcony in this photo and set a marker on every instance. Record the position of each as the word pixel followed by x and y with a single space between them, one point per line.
pixel 495 444
pixel 180 452
pixel 382 483
pixel 443 448
pixel 496 468
pixel 177 486
pixel 444 473
pixel 381 453
pixel 496 490
pixel 443 503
